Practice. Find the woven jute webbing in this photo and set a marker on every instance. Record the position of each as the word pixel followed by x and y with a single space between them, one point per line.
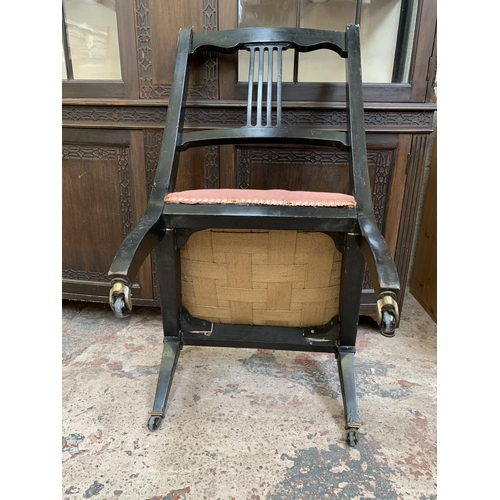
pixel 282 278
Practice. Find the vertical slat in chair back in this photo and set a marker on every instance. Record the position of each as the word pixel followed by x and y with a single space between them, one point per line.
pixel 261 51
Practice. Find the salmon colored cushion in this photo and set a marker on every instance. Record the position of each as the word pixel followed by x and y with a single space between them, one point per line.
pixel 279 197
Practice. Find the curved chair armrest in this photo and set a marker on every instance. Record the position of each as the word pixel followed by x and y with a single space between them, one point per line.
pixel 378 257
pixel 383 274
pixel 137 245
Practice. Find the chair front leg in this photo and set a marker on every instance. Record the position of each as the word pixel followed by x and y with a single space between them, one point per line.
pixel 169 281
pixel 353 267
pixel 345 363
pixel 171 349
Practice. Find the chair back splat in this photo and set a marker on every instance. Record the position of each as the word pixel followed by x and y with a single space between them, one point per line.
pixel 274 269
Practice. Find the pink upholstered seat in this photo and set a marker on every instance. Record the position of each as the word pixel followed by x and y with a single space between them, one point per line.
pixel 261 197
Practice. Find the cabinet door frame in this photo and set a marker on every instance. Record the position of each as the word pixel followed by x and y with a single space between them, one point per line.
pixel 128 86
pixel 415 91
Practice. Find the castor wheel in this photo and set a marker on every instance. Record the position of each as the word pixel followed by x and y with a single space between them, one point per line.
pixel 388 325
pixel 119 307
pixel 120 300
pixel 352 438
pixel 154 422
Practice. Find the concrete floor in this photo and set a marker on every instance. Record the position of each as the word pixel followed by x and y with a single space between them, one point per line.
pixel 243 423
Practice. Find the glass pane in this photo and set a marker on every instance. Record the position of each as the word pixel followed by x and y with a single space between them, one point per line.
pixel 266 13
pixel 379 31
pixel 93 39
pixel 380 21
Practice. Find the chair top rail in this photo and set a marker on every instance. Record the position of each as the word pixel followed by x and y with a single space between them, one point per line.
pixel 301 39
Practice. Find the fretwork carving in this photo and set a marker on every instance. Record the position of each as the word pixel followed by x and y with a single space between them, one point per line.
pixel 243 169
pixel 229 116
pixel 152 146
pixel 80 275
pixel 79 152
pixel 125 198
pixel 123 115
pixel 212 167
pixel 211 64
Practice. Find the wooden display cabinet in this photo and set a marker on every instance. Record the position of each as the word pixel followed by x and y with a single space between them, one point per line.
pixel 112 134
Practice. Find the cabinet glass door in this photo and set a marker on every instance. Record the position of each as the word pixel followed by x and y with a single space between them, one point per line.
pixel 90 40
pixel 387 32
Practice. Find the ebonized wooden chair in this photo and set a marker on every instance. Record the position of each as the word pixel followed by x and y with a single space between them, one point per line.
pixel 172 217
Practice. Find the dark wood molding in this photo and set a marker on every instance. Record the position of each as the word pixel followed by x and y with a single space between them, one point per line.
pixel 227 114
pixel 85 275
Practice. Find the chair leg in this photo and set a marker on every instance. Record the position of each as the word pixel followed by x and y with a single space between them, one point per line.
pixel 171 349
pixel 168 263
pixel 345 362
pixel 353 270
pixel 169 281
pixel 352 285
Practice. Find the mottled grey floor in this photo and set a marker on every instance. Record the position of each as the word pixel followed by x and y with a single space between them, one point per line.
pixel 243 423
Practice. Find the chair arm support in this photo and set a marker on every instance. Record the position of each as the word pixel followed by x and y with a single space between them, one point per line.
pixel 138 244
pixel 379 259
pixel 383 274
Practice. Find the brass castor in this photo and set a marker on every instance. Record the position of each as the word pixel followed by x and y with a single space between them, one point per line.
pixel 154 422
pixel 120 300
pixel 388 325
pixel 352 438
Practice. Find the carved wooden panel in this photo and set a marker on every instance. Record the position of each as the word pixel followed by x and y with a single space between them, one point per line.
pixel 158 24
pixel 102 199
pixel 92 175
